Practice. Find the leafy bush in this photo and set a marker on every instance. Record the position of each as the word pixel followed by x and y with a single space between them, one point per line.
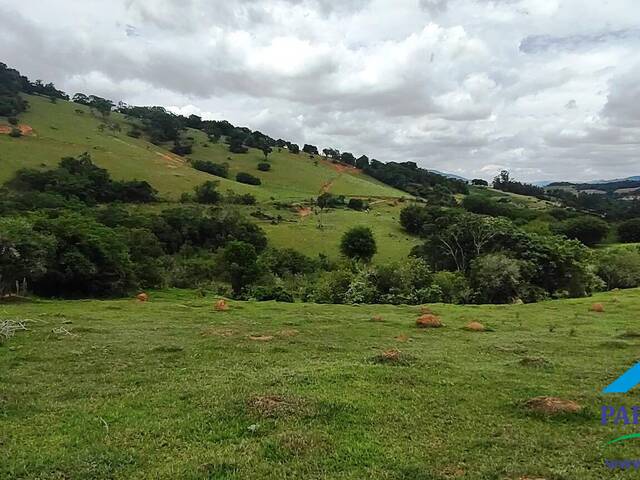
pixel 272 292
pixel 359 243
pixel 217 169
pixel 12 121
pixel 286 261
pixel 332 287
pixel 453 286
pixel 239 265
pixel 15 132
pixel 240 198
pixel 619 268
pixel 588 230
pixel 264 166
pixel 247 178
pixel 357 204
pixel 629 231
pixel 496 278
pixel 207 193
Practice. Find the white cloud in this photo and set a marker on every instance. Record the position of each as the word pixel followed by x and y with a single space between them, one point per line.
pixel 471 86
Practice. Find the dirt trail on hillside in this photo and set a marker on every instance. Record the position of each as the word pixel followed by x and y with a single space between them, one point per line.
pixel 172 160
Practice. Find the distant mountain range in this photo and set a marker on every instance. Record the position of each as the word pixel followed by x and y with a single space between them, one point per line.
pixel 544 183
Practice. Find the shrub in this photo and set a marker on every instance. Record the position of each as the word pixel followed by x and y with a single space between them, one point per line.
pixel 15 132
pixel 182 149
pixel 358 243
pixel 629 231
pixel 331 287
pixel 207 193
pixel 453 285
pixel 287 261
pixel 134 133
pixel 12 121
pixel 496 278
pixel 247 178
pixel 264 166
pixel 273 292
pixel 619 268
pixel 240 199
pixel 588 230
pixel 217 169
pixel 357 204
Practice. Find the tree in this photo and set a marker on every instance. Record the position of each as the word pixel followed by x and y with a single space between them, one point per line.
pixel 479 182
pixel 239 263
pixel 294 148
pixel 620 268
pixel 236 146
pixel 362 162
pixel 24 252
pixel 629 231
pixel 589 230
pixel 266 150
pixel 359 243
pixel 310 149
pixel 348 158
pixel 247 178
pixel 207 193
pixel 217 169
pixel 264 166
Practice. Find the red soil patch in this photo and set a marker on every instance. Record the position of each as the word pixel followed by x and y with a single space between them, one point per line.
pixel 429 321
pixel 304 211
pixel 597 307
pixel 142 297
pixel 26 130
pixel 552 405
pixel 376 318
pixel 221 306
pixel 475 327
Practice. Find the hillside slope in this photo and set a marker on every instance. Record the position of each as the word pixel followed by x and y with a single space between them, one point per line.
pixel 54 130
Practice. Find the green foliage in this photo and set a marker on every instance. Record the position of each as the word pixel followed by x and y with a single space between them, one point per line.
pixel 271 292
pixel 453 286
pixel 79 178
pixel 496 278
pixel 208 193
pixel 619 268
pixel 358 243
pixel 264 166
pixel 328 200
pixel 357 204
pixel 218 169
pixel 15 133
pixel 89 259
pixel 286 261
pixel 24 252
pixel 588 230
pixel 247 178
pixel 505 183
pixel 629 231
pixel 239 264
pixel 12 121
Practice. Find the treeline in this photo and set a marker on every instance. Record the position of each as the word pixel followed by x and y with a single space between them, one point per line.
pixel 12 84
pixel 492 260
pixel 505 183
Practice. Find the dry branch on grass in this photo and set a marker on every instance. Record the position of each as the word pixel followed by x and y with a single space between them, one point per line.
pixel 8 328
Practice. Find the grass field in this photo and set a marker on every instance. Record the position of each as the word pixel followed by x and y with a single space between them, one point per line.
pixel 171 389
pixel 302 232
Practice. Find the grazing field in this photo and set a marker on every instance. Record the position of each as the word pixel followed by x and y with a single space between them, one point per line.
pixel 300 231
pixel 171 389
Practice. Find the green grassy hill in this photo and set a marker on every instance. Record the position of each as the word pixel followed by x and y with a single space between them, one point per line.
pixel 171 389
pixel 55 130
pixel 68 129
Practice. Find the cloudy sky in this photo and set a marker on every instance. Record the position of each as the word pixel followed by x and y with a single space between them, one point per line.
pixel 548 89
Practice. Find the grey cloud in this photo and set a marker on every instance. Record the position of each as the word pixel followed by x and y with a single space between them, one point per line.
pixel 542 43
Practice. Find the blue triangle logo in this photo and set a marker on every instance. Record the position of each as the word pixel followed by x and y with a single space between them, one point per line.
pixel 625 382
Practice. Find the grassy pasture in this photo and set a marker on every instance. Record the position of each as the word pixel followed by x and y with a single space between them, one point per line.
pixel 171 389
